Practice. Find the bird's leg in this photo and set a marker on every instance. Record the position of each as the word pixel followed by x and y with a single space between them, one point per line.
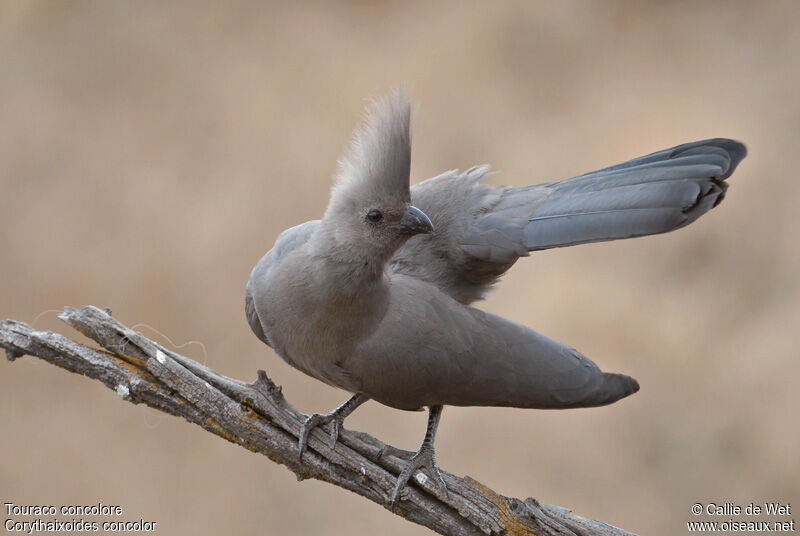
pixel 424 458
pixel 336 416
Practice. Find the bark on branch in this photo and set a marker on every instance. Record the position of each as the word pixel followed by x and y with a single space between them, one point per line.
pixel 258 417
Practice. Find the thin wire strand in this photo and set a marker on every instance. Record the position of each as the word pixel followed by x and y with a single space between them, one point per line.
pixel 40 315
pixel 176 346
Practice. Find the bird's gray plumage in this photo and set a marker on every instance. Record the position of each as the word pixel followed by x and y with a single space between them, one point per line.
pixel 381 307
pixel 393 322
pixel 482 230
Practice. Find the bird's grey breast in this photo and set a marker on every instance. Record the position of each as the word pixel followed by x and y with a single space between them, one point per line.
pixel 302 312
pixel 271 293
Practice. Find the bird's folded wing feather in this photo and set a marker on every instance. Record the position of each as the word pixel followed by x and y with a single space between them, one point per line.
pixel 432 350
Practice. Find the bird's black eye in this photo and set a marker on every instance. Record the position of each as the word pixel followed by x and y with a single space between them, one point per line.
pixel 374 216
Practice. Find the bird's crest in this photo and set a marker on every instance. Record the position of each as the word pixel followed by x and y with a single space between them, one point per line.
pixel 377 161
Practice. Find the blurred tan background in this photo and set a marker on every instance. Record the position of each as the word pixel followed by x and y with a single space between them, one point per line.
pixel 150 154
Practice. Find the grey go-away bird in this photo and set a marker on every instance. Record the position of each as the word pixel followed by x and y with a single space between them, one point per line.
pixel 375 297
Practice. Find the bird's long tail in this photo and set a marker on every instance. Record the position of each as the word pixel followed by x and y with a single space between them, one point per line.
pixel 649 195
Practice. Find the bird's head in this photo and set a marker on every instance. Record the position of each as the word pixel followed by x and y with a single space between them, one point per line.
pixel 370 211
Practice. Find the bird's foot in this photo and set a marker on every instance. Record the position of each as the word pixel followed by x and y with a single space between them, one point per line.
pixel 423 459
pixel 336 417
pixel 317 419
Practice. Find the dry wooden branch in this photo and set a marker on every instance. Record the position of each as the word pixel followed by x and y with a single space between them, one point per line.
pixel 258 417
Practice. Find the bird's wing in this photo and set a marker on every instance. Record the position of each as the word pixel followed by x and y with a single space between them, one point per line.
pixel 481 230
pixel 432 350
pixel 286 242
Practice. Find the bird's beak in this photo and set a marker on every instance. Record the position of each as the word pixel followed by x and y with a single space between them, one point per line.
pixel 414 221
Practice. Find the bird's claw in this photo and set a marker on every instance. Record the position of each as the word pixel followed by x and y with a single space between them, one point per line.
pixel 315 420
pixel 423 459
pixel 335 417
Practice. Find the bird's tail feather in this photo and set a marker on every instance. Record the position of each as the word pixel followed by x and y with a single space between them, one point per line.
pixel 649 195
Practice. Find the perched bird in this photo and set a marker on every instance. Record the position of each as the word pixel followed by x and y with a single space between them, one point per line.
pixel 375 297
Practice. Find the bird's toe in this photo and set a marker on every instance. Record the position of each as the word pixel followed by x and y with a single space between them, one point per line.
pixel 423 459
pixel 312 422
